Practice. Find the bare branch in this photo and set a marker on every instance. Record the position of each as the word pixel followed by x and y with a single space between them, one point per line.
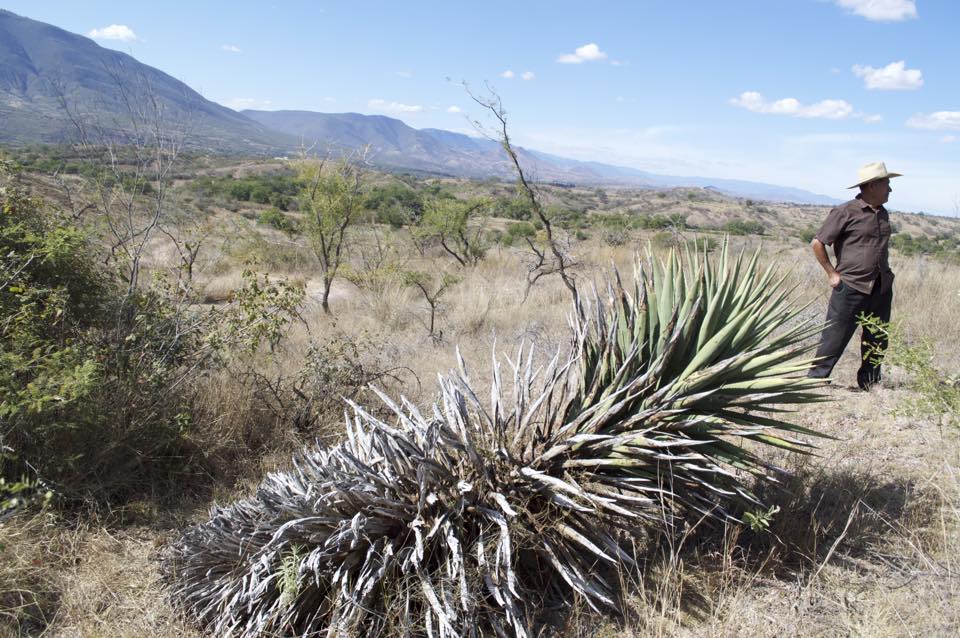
pixel 559 261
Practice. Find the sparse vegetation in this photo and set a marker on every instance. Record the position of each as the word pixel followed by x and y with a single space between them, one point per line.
pixel 857 518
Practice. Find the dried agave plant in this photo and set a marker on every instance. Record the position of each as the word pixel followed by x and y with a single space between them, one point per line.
pixel 474 517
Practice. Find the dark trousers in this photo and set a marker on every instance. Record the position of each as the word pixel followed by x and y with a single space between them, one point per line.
pixel 846 304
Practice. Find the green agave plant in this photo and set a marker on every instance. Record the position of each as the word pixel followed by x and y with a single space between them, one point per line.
pixel 471 518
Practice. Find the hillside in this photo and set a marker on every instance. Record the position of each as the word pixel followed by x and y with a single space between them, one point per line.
pixel 42 67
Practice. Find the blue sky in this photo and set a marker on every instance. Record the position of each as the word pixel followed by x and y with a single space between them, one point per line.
pixel 794 92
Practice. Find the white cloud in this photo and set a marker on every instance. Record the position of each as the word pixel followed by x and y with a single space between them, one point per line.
pixel 587 53
pixel 405 74
pixel 872 119
pixel 893 77
pixel 329 99
pixel 881 10
pixel 939 121
pixel 393 107
pixel 508 74
pixel 828 109
pixel 119 32
pixel 453 109
pixel 948 139
pixel 230 48
pixel 528 75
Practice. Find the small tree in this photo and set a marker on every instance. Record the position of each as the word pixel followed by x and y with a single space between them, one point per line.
pixel 331 201
pixel 451 223
pixel 432 288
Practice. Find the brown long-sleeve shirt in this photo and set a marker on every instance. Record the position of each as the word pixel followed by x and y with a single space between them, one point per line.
pixel 860 236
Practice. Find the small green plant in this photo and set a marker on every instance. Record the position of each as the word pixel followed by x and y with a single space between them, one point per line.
pixel 432 287
pixel 290 575
pixel 936 394
pixel 759 520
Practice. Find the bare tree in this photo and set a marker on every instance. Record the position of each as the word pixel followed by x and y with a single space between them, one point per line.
pixel 553 257
pixel 136 148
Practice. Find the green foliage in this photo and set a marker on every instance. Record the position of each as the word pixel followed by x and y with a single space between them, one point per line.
pixel 807 234
pixel 15 496
pixel 743 227
pixel 275 218
pixel 759 520
pixel 943 246
pixel 673 221
pixel 517 232
pixel 452 223
pixel 936 394
pixel 395 204
pixel 432 286
pixel 516 207
pixel 278 190
pixel 263 308
pixel 567 218
pixel 97 381
pixel 614 227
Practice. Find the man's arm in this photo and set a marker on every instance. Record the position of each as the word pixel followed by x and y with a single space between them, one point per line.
pixel 820 252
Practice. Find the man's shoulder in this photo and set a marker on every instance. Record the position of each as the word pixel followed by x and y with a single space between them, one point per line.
pixel 847 207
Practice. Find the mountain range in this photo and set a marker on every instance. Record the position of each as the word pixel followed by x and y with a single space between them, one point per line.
pixel 56 85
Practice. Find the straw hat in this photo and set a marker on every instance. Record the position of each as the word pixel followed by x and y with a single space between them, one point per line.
pixel 872 172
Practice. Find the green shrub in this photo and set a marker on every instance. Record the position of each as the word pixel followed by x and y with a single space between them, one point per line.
pixel 942 246
pixel 677 221
pixel 743 227
pixel 277 190
pixel 517 232
pixel 807 234
pixel 512 208
pixel 97 380
pixel 395 204
pixel 936 394
pixel 273 217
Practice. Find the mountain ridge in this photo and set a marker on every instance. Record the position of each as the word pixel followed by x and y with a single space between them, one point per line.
pixel 43 67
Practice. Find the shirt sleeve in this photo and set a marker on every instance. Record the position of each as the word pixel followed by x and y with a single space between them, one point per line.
pixel 833 226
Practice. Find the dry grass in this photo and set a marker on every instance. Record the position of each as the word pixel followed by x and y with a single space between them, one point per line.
pixel 865 542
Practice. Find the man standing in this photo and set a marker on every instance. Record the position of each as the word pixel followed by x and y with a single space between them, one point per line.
pixel 862 281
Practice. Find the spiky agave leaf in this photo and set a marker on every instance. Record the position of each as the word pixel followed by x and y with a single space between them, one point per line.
pixel 472 518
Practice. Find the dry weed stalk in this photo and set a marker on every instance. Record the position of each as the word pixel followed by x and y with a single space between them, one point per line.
pixel 477 515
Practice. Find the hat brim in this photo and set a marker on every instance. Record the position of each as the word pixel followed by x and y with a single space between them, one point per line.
pixel 873 179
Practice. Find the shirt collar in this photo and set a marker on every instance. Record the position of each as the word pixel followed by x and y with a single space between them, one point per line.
pixel 865 206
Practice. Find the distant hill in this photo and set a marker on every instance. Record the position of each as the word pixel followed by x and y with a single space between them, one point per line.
pixel 40 63
pixel 42 66
pixel 395 144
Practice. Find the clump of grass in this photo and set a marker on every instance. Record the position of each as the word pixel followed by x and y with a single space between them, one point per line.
pixel 475 516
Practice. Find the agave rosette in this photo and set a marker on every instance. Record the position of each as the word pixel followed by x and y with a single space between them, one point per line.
pixel 473 517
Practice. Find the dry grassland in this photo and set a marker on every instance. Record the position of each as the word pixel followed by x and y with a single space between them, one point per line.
pixel 866 541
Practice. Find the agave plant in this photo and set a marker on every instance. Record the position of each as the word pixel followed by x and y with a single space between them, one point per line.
pixel 472 517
